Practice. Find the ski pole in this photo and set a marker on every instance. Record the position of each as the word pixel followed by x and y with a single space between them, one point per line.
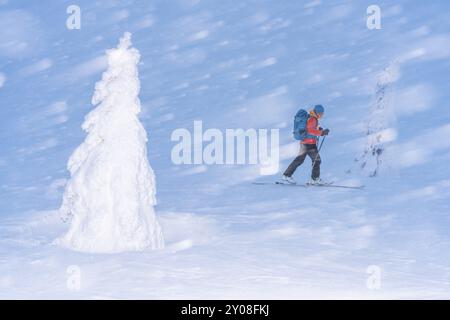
pixel 318 151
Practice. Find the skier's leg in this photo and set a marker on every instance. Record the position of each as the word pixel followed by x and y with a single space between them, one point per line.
pixel 297 162
pixel 313 153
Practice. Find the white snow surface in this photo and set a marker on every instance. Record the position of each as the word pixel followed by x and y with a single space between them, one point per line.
pixel 111 192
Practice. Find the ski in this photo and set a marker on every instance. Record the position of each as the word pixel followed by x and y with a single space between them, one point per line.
pixel 276 182
pixel 334 186
pixel 307 185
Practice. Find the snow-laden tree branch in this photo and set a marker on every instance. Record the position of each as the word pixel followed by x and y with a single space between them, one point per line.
pixel 379 124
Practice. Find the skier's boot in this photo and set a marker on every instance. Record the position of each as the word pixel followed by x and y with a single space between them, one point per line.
pixel 287 180
pixel 317 181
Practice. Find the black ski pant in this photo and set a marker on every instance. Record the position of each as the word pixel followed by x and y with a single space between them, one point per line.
pixel 306 150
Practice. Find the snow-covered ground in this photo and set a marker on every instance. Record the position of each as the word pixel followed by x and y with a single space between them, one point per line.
pixel 275 242
pixel 236 64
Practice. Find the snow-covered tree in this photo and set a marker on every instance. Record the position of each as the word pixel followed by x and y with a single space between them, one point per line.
pixel 110 196
pixel 379 124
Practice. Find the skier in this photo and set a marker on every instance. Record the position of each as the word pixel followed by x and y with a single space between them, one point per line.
pixel 308 146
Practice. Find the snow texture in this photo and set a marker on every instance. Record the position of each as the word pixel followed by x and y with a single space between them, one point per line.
pixel 111 193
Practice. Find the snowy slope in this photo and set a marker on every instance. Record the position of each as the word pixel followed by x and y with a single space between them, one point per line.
pixel 235 64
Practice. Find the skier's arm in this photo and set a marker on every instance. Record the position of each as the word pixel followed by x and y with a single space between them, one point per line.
pixel 311 127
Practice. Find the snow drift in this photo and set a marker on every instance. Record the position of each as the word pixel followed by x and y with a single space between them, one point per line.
pixel 111 194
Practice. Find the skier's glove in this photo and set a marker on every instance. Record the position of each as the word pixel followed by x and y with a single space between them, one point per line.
pixel 325 132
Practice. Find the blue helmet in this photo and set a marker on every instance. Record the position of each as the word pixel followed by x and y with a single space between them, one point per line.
pixel 318 108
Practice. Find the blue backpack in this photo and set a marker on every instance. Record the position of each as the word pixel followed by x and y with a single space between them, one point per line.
pixel 300 120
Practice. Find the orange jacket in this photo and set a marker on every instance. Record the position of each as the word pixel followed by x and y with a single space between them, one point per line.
pixel 312 128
